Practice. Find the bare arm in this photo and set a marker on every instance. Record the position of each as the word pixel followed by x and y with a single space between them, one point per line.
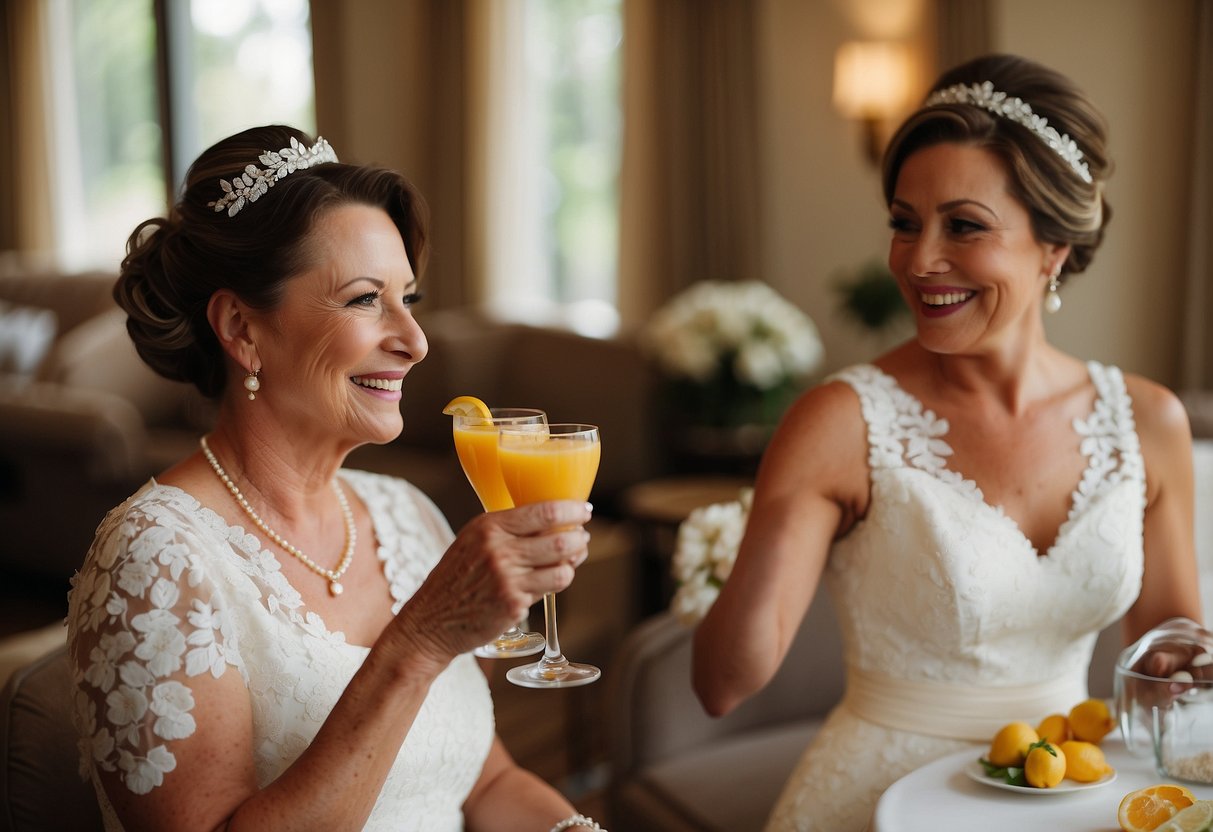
pixel 812 485
pixel 497 567
pixel 1169 584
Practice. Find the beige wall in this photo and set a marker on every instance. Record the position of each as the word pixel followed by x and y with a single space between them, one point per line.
pixel 823 210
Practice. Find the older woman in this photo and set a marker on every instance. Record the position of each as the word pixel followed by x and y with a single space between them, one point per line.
pixel 980 503
pixel 263 640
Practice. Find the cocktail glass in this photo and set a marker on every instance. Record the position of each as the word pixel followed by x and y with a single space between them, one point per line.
pixel 476 445
pixel 557 464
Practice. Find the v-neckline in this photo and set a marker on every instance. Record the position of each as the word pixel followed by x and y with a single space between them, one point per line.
pixel 969 488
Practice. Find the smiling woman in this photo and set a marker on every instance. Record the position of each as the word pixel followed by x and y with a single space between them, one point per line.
pixel 980 503
pixel 309 669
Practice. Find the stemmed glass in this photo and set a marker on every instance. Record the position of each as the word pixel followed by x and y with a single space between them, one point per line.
pixel 557 464
pixel 476 446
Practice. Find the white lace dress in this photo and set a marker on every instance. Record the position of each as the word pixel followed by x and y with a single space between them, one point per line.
pixel 169 592
pixel 952 623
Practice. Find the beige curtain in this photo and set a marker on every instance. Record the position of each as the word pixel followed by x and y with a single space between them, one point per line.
pixel 392 87
pixel 1198 335
pixel 689 187
pixel 25 210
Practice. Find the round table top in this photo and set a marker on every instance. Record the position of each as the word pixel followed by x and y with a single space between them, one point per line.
pixel 671 499
pixel 942 794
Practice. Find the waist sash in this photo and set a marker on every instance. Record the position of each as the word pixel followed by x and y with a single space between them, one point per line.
pixel 955 710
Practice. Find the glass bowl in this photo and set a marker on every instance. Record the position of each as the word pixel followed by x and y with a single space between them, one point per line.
pixel 1171 716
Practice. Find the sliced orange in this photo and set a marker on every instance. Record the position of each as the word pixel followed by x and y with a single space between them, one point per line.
pixel 467 406
pixel 1147 809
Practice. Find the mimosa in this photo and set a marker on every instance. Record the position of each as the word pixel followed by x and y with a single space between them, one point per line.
pixel 558 463
pixel 476 446
pixel 475 427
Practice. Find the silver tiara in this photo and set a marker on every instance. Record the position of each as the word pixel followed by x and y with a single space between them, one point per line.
pixel 250 185
pixel 1017 110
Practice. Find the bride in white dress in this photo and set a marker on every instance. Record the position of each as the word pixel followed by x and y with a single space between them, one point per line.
pixel 261 639
pixel 979 503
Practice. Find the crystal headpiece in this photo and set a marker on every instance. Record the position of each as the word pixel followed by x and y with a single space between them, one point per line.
pixel 253 182
pixel 1017 110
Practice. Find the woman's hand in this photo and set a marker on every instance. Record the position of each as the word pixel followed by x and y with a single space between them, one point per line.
pixel 499 564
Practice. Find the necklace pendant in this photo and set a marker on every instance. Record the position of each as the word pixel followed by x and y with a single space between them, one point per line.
pixel 335 588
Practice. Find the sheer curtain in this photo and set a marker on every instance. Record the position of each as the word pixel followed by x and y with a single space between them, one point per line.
pixel 689 189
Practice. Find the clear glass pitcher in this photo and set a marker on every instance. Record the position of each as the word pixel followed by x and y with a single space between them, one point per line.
pixel 1170 717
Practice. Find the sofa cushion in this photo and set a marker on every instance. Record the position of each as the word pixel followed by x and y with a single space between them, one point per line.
pixel 99 355
pixel 729 785
pixel 26 335
pixel 40 784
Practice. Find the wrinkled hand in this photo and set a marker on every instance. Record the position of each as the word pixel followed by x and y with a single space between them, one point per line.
pixel 500 564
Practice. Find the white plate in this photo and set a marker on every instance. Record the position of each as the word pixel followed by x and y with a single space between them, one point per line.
pixel 975 771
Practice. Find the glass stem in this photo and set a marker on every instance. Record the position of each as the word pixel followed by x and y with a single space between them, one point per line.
pixel 552 657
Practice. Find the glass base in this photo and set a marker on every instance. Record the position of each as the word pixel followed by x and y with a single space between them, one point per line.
pixel 525 644
pixel 545 674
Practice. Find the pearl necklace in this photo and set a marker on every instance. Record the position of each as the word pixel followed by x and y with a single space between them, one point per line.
pixel 351 532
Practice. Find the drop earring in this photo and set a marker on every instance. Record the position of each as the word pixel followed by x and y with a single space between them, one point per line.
pixel 1052 298
pixel 252 384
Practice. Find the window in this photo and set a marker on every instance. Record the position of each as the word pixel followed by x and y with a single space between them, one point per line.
pixel 230 64
pixel 555 154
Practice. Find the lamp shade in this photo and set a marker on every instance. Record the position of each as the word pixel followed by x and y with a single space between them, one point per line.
pixel 871 78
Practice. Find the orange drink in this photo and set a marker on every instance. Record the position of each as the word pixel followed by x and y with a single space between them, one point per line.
pixel 550 462
pixel 476 446
pixel 475 427
pixel 549 469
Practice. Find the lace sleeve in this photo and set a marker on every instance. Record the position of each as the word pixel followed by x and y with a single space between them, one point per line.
pixel 144 616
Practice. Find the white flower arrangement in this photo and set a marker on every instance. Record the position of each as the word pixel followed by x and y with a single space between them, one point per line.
pixel 745 328
pixel 704 554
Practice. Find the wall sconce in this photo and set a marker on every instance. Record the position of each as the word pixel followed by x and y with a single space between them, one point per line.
pixel 871 83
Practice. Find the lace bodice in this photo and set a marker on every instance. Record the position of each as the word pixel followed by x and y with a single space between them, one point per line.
pixel 170 593
pixel 971 570
pixel 935 588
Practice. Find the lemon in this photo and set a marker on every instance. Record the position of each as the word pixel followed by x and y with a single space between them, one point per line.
pixel 467 406
pixel 1091 720
pixel 1085 761
pixel 1055 728
pixel 1196 818
pixel 1044 766
pixel 1010 745
pixel 1144 810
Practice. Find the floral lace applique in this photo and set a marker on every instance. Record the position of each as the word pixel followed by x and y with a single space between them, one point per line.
pixel 901 432
pixel 147 614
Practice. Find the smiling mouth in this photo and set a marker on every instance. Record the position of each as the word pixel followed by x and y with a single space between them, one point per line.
pixel 391 384
pixel 945 299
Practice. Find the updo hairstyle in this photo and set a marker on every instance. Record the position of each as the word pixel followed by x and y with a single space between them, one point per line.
pixel 1064 209
pixel 175 264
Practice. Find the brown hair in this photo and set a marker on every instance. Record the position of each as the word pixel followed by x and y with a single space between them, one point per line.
pixel 1064 209
pixel 174 264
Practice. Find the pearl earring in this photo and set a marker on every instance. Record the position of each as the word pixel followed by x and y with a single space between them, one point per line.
pixel 1052 298
pixel 252 384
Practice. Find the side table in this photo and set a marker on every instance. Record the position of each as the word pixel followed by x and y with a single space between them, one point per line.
pixel 656 508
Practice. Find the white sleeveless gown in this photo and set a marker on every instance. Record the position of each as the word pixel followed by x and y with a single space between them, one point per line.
pixel 952 623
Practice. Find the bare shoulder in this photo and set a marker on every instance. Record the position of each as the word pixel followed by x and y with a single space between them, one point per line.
pixel 821 448
pixel 1157 411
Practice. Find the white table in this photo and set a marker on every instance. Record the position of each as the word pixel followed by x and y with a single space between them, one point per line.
pixel 940 796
